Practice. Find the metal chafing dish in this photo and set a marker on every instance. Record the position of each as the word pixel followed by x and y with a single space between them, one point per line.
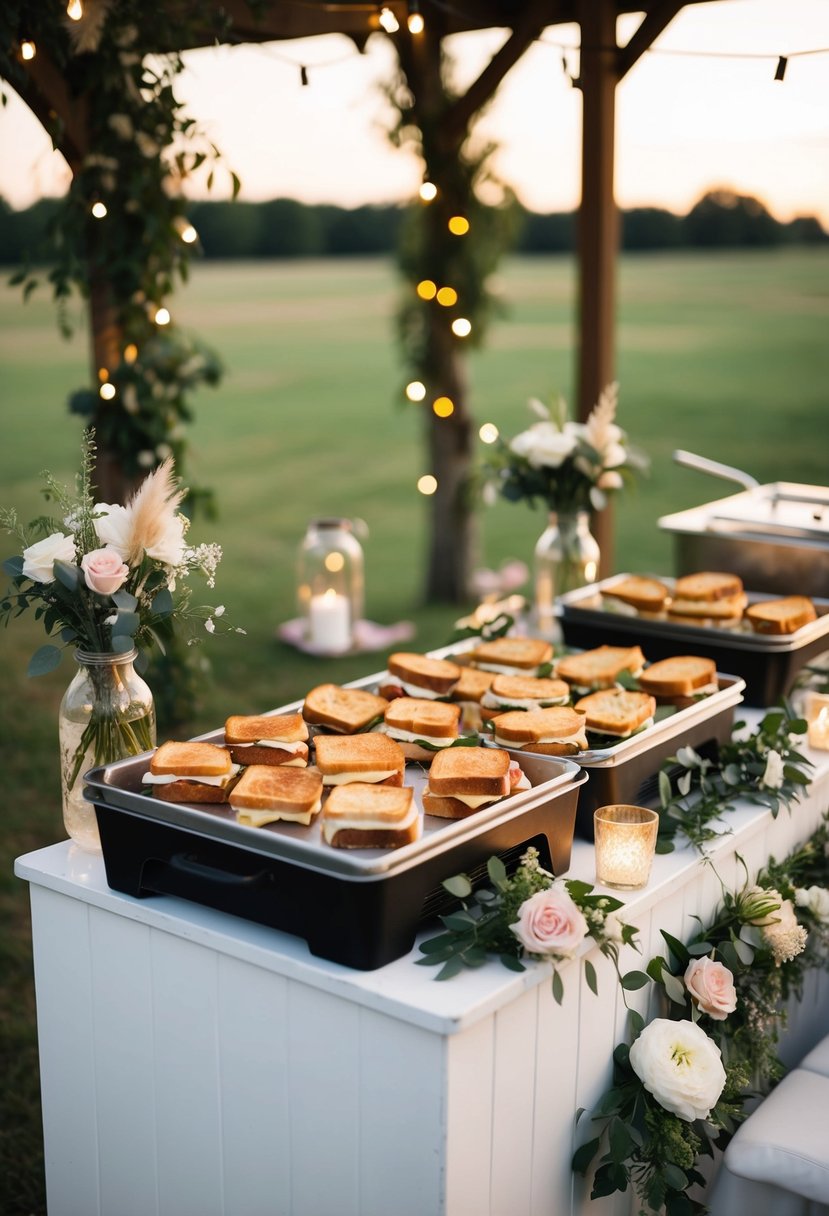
pixel 769 663
pixel 774 536
pixel 359 907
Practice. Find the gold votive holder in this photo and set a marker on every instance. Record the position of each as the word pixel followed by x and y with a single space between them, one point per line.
pixel 817 716
pixel 625 844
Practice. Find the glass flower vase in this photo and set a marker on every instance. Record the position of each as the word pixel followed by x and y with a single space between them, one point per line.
pixel 107 713
pixel 566 557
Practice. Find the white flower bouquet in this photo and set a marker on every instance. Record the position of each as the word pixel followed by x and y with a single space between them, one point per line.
pixel 569 465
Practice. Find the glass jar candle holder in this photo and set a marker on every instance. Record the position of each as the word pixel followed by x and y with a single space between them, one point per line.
pixel 817 717
pixel 625 842
pixel 330 585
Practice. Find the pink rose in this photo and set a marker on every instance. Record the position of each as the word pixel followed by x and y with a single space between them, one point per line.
pixel 711 987
pixel 550 923
pixel 104 571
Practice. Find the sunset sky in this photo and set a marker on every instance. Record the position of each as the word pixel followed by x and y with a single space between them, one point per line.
pixel 685 122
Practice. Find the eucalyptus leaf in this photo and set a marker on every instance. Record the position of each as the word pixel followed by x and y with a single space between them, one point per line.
pixel 13 566
pixel 674 987
pixel 126 624
pixel 451 968
pixel 122 599
pixel 459 922
pixel 584 1154
pixel 744 952
pixel 458 885
pixel 633 980
pixel 512 963
pixel 121 644
pixel 44 659
pixel 590 976
pixel 677 949
pixel 67 574
pixel 664 788
pixel 558 987
pixel 162 604
pixel 700 949
pixel 497 871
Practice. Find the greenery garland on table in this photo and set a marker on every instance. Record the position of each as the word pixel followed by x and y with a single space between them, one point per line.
pixel 763 768
pixel 721 996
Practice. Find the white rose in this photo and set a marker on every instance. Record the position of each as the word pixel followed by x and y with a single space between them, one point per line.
pixel 544 445
pixel 772 778
pixel 39 559
pixel 680 1066
pixel 816 899
pixel 113 527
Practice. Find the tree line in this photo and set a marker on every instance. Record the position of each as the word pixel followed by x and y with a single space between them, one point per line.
pixel 286 228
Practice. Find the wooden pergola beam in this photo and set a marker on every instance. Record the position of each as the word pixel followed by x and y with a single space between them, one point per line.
pixel 655 20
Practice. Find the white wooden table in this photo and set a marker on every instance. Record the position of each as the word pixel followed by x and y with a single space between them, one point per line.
pixel 194 1064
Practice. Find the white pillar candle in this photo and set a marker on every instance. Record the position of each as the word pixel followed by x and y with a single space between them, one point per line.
pixel 625 845
pixel 329 622
pixel 817 716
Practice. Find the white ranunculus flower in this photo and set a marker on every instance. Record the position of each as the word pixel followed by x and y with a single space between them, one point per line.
pixel 680 1066
pixel 772 778
pixel 544 445
pixel 816 899
pixel 39 559
pixel 113 526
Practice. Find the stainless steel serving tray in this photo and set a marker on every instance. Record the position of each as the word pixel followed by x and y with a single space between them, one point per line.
pixel 769 664
pixel 588 604
pixel 118 786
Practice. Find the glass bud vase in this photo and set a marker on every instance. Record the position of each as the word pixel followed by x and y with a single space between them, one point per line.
pixel 566 557
pixel 107 713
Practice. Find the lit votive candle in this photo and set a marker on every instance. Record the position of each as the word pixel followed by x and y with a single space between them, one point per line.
pixel 329 622
pixel 625 844
pixel 817 716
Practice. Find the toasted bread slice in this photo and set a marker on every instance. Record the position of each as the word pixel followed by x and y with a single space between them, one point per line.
pixel 345 710
pixel 708 585
pixel 558 731
pixel 191 772
pixel 728 609
pixel 616 711
pixel 412 721
pixel 361 816
pixel 679 676
pixel 472 684
pixel 418 674
pixel 512 656
pixel 471 770
pixel 370 758
pixel 600 668
pixel 265 793
pixel 191 759
pixel 523 692
pixel 462 802
pixel 781 616
pixel 268 739
pixel 643 594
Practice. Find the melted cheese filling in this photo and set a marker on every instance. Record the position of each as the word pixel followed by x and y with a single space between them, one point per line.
pixel 168 778
pixel 474 801
pixel 410 736
pixel 500 670
pixel 370 777
pixel 278 744
pixel 412 690
pixel 619 734
pixel 580 739
pixel 492 701
pixel 365 823
pixel 253 817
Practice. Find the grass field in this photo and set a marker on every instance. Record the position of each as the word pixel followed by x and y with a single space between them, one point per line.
pixel 725 355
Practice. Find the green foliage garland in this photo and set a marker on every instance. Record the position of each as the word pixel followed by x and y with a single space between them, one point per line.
pixel 138 151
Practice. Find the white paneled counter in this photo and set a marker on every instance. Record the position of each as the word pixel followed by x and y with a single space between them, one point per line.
pixel 195 1064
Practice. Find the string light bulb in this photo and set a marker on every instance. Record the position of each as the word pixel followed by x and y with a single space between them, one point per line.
pixel 426 289
pixel 162 316
pixel 388 21
pixel 416 391
pixel 447 296
pixel 488 433
pixel 28 50
pixel 99 210
pixel 415 20
pixel 74 10
pixel 106 391
pixel 461 327
pixel 428 191
pixel 130 353
pixel 458 225
pixel 427 484
pixel 443 407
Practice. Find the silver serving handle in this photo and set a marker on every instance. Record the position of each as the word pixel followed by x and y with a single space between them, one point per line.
pixel 703 465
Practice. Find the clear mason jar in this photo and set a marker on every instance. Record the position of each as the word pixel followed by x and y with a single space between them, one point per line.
pixel 330 585
pixel 107 713
pixel 566 557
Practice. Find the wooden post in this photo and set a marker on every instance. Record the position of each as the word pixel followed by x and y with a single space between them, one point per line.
pixel 597 224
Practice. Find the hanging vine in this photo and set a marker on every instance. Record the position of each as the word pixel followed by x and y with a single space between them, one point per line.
pixel 121 237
